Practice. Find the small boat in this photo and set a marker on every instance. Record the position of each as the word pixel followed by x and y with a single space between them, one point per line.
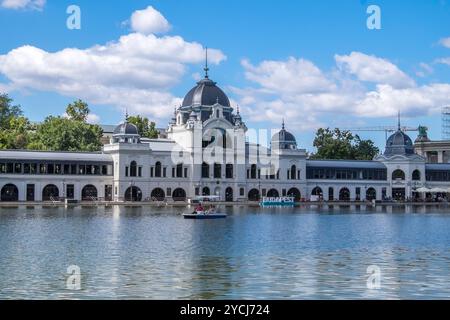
pixel 202 215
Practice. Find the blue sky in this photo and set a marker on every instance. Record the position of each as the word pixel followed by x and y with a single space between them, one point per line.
pixel 314 63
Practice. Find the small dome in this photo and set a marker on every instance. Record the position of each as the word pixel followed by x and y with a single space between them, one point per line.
pixel 284 140
pixel 205 93
pixel 126 128
pixel 399 144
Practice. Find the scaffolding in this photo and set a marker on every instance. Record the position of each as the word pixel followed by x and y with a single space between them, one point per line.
pixel 445 119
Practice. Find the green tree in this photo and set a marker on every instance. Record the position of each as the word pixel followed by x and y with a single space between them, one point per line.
pixel 337 144
pixel 62 134
pixel 68 134
pixel 18 134
pixel 146 128
pixel 7 111
pixel 15 130
pixel 78 111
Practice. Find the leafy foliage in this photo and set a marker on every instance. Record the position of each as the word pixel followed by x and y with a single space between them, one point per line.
pixel 337 144
pixel 146 128
pixel 55 133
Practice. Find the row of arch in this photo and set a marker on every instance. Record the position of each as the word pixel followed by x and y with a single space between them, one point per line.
pixel 344 193
pixel 10 192
pixel 254 194
pixel 400 175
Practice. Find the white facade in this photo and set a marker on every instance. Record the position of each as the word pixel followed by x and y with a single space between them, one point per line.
pixel 206 153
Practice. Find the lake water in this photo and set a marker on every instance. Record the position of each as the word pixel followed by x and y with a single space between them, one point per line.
pixel 153 253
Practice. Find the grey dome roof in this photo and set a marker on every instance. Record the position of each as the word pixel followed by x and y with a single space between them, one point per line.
pixel 399 144
pixel 205 93
pixel 126 128
pixel 284 140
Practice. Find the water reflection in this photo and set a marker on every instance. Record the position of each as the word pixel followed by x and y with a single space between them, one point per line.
pixel 294 253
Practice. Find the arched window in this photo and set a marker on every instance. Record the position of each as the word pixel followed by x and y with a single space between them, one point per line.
pixel 293 173
pixel 273 193
pixel 133 169
pixel 179 194
pixel 158 194
pixel 253 171
pixel 416 175
pixel 253 195
pixel 295 193
pixel 344 194
pixel 50 192
pixel 371 194
pixel 89 193
pixel 205 170
pixel 133 194
pixel 217 170
pixel 10 193
pixel 317 191
pixel 158 169
pixel 398 175
pixel 229 171
pixel 206 191
pixel 229 194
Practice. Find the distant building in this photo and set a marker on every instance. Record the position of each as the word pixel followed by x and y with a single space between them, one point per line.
pixel 434 151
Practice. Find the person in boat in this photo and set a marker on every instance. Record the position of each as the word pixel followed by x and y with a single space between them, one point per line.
pixel 199 208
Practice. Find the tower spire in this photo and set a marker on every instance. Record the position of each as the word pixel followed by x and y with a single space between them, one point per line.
pixel 282 125
pixel 206 64
pixel 399 127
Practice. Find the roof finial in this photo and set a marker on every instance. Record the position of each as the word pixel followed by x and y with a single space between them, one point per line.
pixel 282 125
pixel 206 64
pixel 237 109
pixel 126 114
pixel 399 127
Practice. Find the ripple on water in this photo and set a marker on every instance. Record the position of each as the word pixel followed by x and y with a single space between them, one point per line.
pixel 152 253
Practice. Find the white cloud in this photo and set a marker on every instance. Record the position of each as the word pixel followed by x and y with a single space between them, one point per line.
pixel 93 118
pixel 149 21
pixel 308 96
pixel 136 72
pixel 23 4
pixel 445 42
pixel 372 69
pixel 293 75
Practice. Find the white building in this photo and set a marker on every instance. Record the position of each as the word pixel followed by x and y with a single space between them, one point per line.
pixel 206 153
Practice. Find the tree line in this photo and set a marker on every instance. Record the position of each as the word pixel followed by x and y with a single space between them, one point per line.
pixel 70 132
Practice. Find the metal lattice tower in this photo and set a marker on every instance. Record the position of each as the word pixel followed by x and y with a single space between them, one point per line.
pixel 445 123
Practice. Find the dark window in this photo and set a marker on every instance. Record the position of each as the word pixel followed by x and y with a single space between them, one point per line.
pixel 229 171
pixel 180 170
pixel 133 169
pixel 217 170
pixel 253 171
pixel 205 170
pixel 158 169
pixel 70 191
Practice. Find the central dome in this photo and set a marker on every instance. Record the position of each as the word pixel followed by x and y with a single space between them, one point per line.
pixel 205 93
